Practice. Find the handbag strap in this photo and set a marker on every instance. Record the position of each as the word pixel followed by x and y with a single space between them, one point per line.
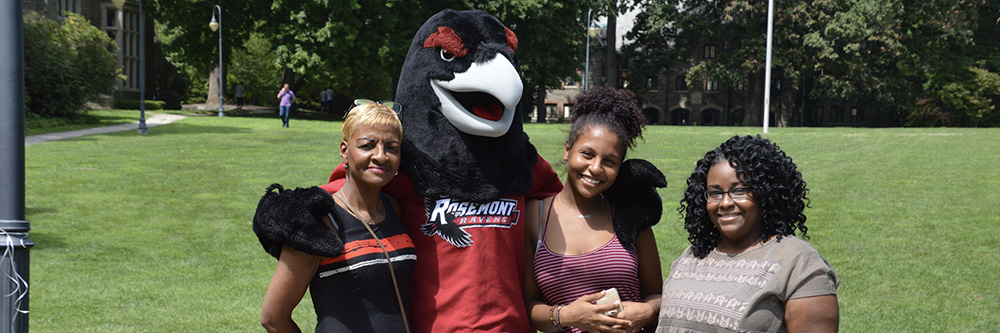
pixel 541 213
pixel 392 272
pixel 329 224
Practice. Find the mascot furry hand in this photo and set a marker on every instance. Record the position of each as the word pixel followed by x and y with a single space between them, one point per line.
pixel 638 204
pixel 295 218
pixel 467 168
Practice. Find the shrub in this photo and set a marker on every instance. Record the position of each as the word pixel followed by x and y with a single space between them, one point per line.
pixel 68 64
pixel 133 104
pixel 34 121
pixel 171 100
pixel 970 101
pixel 306 104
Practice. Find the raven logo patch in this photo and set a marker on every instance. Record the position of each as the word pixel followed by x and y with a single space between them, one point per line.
pixel 448 218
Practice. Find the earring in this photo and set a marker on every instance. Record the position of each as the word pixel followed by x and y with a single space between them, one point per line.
pixel 345 166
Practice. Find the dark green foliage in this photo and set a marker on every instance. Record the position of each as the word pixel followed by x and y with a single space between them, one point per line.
pixel 34 120
pixel 65 64
pixel 254 65
pixel 357 47
pixel 923 62
pixel 164 81
pixel 132 104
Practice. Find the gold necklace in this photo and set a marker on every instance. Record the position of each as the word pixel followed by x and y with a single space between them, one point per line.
pixel 355 213
pixel 751 247
pixel 584 216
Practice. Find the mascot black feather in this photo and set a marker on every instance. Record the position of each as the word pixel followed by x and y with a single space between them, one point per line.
pixel 634 193
pixel 294 218
pixel 467 169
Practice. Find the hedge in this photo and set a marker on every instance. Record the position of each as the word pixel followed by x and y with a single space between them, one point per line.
pixel 133 104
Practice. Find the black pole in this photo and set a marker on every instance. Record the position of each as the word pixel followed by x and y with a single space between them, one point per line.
pixel 14 261
pixel 142 72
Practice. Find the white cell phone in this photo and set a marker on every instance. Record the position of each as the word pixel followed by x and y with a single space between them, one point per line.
pixel 611 297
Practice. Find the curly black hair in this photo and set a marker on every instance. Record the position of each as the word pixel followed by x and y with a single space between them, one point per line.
pixel 776 183
pixel 615 109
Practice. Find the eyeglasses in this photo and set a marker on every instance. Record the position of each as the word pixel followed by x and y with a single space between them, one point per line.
pixel 737 194
pixel 396 107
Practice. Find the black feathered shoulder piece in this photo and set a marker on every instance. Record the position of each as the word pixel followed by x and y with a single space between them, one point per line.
pixel 634 193
pixel 294 218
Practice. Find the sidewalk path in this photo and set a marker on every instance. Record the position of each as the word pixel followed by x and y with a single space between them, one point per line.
pixel 152 121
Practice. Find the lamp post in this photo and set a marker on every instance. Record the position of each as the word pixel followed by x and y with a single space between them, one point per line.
pixel 592 31
pixel 767 72
pixel 142 66
pixel 215 27
pixel 15 261
pixel 586 66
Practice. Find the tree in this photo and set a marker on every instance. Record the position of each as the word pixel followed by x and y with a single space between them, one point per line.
pixel 950 60
pixel 550 36
pixel 69 64
pixel 188 43
pixel 884 53
pixel 247 64
pixel 653 49
pixel 737 25
pixel 359 46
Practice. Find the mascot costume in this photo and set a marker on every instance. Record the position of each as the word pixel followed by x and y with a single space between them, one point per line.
pixel 467 168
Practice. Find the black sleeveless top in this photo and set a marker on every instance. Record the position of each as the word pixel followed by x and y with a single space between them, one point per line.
pixel 353 292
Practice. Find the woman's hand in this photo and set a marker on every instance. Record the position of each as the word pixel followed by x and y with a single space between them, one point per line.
pixel 587 316
pixel 640 314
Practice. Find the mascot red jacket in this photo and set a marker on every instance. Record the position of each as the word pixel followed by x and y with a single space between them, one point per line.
pixel 466 172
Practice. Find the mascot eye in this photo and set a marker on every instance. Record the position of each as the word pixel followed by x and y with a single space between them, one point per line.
pixel 448 42
pixel 447 56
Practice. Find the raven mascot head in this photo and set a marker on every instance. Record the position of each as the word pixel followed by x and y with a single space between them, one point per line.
pixel 460 88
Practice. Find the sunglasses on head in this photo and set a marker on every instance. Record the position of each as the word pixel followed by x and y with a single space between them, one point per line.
pixel 396 107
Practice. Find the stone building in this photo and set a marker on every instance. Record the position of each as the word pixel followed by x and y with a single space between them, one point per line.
pixel 672 100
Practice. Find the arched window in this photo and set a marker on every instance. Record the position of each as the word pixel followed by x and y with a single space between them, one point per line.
pixel 680 117
pixel 652 116
pixel 710 117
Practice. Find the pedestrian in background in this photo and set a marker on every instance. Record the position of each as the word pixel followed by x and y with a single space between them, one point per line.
pixel 287 97
pixel 326 99
pixel 239 98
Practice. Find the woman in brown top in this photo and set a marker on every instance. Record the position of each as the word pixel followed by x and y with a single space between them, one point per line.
pixel 745 270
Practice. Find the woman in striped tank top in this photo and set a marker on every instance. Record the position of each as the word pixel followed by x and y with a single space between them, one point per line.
pixel 578 250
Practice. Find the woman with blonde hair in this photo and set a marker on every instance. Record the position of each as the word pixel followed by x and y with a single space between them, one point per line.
pixel 364 285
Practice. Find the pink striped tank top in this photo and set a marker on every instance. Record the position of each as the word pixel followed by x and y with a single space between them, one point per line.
pixel 564 278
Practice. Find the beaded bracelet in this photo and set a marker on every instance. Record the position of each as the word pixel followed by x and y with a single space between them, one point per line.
pixel 552 318
pixel 558 324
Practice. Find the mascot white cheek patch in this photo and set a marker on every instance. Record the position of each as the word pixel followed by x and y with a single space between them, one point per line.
pixel 486 117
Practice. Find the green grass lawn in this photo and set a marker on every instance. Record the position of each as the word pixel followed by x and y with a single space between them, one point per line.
pixel 94 118
pixel 152 233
